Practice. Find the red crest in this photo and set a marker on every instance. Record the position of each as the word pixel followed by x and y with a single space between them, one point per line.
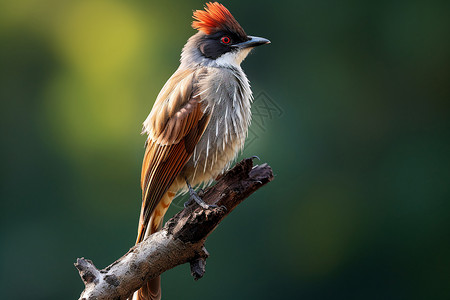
pixel 216 17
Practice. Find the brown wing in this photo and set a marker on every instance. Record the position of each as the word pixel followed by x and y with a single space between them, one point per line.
pixel 175 126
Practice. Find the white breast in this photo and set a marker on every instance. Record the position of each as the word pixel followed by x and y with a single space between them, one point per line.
pixel 227 97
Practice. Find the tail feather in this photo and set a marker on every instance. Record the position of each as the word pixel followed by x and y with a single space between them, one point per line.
pixel 151 290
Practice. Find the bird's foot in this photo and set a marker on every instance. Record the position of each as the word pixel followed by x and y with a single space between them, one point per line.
pixel 195 197
pixel 187 203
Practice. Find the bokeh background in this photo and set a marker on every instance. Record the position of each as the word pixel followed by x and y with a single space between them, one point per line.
pixel 352 113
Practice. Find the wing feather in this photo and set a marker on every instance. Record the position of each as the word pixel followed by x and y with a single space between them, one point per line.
pixel 174 127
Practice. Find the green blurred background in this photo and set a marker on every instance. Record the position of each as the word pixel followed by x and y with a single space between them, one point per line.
pixel 356 130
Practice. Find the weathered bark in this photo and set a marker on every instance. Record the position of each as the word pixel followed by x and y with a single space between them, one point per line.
pixel 181 240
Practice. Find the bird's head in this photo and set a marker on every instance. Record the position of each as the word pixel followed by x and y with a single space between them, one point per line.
pixel 220 40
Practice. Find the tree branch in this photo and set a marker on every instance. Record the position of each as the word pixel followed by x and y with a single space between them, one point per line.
pixel 180 241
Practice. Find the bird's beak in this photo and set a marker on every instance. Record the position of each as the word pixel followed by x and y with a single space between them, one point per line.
pixel 252 42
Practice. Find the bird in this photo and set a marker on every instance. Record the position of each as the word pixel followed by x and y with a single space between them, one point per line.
pixel 199 121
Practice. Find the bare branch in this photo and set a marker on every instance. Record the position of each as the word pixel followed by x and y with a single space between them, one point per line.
pixel 180 241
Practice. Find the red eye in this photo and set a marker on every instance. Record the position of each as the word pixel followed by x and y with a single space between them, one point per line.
pixel 225 40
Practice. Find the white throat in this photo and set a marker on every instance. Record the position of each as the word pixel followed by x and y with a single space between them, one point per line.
pixel 233 58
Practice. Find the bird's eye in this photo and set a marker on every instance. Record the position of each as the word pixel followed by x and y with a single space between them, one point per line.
pixel 225 40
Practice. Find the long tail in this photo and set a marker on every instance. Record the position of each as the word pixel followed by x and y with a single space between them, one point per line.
pixel 151 290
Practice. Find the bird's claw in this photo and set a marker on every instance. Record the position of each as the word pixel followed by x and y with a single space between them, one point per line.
pixel 195 197
pixel 223 207
pixel 187 203
pixel 203 204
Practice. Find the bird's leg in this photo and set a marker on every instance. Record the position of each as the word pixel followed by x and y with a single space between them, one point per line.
pixel 195 197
